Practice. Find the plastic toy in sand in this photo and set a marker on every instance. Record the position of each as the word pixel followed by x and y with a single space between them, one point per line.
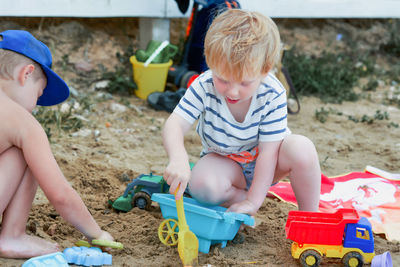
pixel 211 224
pixel 188 244
pixel 101 243
pixel 138 192
pixel 87 256
pixel 382 260
pixel 342 234
pixel 54 259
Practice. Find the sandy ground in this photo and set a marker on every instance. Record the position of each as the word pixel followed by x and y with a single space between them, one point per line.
pixel 122 136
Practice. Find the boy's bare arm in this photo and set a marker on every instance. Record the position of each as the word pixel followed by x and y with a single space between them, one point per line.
pixel 177 172
pixel 29 136
pixel 264 171
pixel 263 177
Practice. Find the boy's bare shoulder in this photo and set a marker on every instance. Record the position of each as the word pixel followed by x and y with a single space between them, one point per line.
pixel 17 124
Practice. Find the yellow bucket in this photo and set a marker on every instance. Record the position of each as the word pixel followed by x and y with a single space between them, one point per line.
pixel 149 79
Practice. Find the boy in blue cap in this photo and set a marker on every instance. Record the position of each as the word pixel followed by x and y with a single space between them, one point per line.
pixel 26 160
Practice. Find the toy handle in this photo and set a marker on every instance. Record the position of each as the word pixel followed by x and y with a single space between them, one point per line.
pixel 181 212
pixel 156 52
pixel 230 217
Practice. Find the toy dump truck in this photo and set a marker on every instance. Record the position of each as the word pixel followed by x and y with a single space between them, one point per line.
pixel 342 234
pixel 138 192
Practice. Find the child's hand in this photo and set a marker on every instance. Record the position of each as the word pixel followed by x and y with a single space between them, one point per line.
pixel 246 206
pixel 105 236
pixel 177 174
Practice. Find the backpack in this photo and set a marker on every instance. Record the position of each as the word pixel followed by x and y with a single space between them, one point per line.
pixel 201 22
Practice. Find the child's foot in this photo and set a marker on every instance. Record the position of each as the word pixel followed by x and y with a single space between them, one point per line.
pixel 26 246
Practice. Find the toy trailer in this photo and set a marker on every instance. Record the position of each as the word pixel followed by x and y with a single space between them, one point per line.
pixel 342 234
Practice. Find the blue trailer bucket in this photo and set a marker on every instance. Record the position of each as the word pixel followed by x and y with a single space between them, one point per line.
pixel 211 224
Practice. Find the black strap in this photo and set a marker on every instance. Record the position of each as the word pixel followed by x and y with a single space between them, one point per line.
pixel 183 5
pixel 291 91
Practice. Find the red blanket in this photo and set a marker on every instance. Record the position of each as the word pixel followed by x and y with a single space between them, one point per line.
pixel 374 197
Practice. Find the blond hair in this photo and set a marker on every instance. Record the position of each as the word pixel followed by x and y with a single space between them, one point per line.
pixel 240 43
pixel 9 60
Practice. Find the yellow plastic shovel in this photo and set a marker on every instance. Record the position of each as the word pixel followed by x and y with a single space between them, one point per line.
pixel 188 244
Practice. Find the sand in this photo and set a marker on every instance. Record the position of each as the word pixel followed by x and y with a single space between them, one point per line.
pixel 121 137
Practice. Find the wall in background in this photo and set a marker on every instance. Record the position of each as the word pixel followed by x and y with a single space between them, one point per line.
pixel 168 8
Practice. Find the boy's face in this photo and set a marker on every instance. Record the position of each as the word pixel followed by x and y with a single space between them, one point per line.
pixel 236 91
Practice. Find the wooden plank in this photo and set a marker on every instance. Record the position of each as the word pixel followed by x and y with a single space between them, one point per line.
pixel 90 8
pixel 169 9
pixel 326 8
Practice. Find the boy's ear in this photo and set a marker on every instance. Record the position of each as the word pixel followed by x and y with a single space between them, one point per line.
pixel 267 69
pixel 24 73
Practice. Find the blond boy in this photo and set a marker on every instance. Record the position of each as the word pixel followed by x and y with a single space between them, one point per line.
pixel 241 111
pixel 26 161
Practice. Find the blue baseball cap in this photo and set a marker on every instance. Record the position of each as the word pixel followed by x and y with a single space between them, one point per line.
pixel 24 43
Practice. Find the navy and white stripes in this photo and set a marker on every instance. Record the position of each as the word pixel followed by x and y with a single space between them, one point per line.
pixel 265 121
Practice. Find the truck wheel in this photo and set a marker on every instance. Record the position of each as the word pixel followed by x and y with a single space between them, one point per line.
pixel 353 259
pixel 310 258
pixel 142 200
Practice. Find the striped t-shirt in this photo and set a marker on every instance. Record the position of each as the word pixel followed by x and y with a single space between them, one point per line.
pixel 266 119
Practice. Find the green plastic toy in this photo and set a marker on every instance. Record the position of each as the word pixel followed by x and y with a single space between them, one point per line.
pixel 101 243
pixel 163 57
pixel 139 191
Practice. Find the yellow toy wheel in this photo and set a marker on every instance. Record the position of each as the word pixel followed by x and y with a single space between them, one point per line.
pixel 353 259
pixel 310 258
pixel 168 232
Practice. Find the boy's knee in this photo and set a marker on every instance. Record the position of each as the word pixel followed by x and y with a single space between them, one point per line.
pixel 300 150
pixel 299 143
pixel 205 190
pixel 14 152
pixel 198 186
pixel 13 158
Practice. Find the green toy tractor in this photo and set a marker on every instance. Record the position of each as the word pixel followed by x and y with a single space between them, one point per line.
pixel 138 192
